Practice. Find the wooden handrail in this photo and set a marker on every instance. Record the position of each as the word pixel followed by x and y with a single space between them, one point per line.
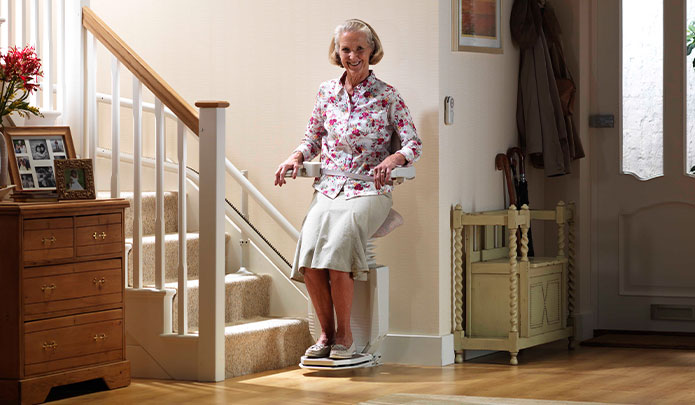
pixel 131 60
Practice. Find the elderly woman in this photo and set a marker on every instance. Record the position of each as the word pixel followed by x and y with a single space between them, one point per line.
pixel 356 120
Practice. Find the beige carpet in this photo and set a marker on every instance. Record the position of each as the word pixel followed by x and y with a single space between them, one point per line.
pixel 420 399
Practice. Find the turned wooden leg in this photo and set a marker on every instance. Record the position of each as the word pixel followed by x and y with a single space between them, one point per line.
pixel 572 343
pixel 459 357
pixel 513 358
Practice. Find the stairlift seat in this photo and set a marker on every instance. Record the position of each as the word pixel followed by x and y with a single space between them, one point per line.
pixel 370 308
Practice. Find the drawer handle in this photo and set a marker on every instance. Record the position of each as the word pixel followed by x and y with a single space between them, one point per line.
pixel 99 282
pixel 48 241
pixel 49 287
pixel 100 336
pixel 52 345
pixel 99 235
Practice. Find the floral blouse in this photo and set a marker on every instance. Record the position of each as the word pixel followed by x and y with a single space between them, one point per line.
pixel 355 135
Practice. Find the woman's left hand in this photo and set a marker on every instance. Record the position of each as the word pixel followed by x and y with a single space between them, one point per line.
pixel 382 172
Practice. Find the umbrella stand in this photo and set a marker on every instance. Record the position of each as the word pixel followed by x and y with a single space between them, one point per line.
pixel 522 188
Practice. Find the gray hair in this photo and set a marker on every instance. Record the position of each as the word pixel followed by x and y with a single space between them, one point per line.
pixel 355 25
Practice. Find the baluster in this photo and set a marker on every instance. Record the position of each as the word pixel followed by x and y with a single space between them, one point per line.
pixel 115 127
pixel 183 266
pixel 244 239
pixel 137 186
pixel 159 179
pixel 212 173
pixel 513 283
pixel 458 282
pixel 11 23
pixel 560 219
pixel 24 39
pixel 570 272
pixel 46 57
pixel 34 40
pixel 92 98
pixel 60 60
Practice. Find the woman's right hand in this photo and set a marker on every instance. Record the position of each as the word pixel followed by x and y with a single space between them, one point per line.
pixel 292 163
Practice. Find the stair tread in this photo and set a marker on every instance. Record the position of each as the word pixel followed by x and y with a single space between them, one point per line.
pixel 172 236
pixel 130 194
pixel 260 323
pixel 256 324
pixel 228 279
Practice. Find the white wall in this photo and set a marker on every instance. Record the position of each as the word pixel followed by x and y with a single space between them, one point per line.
pixel 484 87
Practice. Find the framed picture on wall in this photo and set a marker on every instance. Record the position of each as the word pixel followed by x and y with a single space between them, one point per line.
pixel 476 25
pixel 32 153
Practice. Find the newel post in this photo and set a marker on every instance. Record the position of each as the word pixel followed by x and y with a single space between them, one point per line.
pixel 212 169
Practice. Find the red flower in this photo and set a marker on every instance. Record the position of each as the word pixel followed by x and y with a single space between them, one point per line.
pixel 19 72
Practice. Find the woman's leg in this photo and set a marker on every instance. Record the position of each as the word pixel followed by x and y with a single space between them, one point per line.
pixel 342 286
pixel 319 289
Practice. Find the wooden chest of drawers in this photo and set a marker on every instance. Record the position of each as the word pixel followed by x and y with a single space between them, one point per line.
pixel 61 296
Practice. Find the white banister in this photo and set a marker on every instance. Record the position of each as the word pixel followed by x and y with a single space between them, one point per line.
pixel 47 57
pixel 244 239
pixel 183 266
pixel 115 128
pixel 126 102
pixel 137 183
pixel 231 170
pixel 211 354
pixel 260 198
pixel 159 264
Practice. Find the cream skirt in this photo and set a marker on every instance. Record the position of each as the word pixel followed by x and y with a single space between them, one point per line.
pixel 335 232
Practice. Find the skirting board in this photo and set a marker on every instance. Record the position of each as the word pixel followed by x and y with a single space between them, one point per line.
pixel 584 326
pixel 421 350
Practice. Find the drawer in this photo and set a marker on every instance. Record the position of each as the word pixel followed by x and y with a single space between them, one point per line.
pixel 102 219
pixel 67 288
pixel 99 239
pixel 49 243
pixel 72 341
pixel 70 289
pixel 47 223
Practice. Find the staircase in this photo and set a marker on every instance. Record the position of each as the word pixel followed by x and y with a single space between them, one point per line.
pixel 254 341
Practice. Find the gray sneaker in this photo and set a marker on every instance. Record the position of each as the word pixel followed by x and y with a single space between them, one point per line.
pixel 318 350
pixel 342 352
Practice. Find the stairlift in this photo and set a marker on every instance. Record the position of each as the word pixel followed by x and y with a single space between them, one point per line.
pixel 370 305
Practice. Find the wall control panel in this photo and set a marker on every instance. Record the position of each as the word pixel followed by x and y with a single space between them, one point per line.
pixel 448 110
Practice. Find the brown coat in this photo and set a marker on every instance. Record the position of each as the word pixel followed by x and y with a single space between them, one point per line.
pixel 545 97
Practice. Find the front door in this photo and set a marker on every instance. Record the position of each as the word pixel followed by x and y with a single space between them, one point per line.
pixel 644 198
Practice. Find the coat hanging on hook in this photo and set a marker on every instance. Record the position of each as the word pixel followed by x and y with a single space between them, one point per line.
pixel 546 90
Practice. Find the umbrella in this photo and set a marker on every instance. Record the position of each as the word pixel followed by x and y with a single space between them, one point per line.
pixel 502 163
pixel 521 186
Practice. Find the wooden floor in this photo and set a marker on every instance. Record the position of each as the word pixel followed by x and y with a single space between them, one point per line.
pixel 633 376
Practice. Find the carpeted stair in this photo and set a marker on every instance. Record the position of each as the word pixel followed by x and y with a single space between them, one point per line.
pixel 254 342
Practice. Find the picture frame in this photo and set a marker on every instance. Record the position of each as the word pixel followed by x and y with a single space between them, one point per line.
pixel 476 26
pixel 75 179
pixel 32 153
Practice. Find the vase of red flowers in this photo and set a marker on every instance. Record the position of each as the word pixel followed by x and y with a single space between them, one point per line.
pixel 19 73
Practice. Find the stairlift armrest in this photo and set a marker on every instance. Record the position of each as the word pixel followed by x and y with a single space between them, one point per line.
pixel 313 169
